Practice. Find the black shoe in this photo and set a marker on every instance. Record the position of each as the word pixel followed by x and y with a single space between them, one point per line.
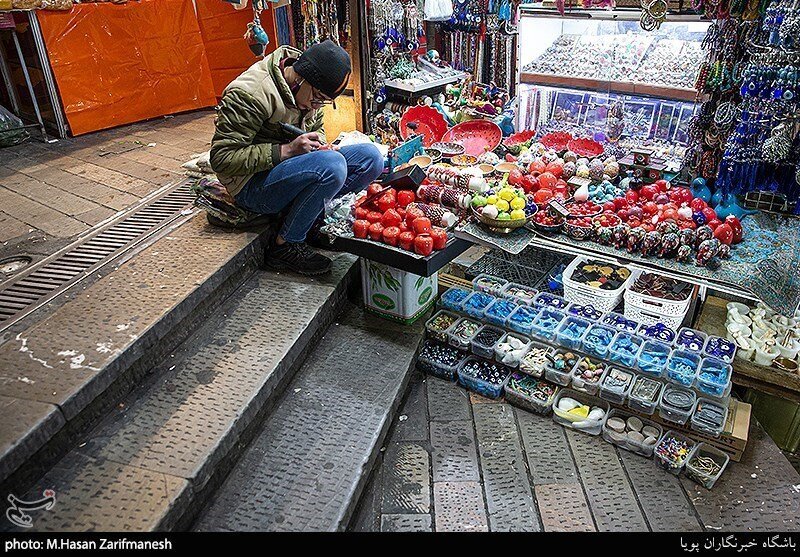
pixel 298 258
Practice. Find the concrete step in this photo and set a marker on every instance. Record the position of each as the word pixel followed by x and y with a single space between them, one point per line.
pixel 151 462
pixel 63 372
pixel 311 459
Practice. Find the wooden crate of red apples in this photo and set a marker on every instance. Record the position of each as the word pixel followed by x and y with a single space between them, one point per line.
pixel 393 217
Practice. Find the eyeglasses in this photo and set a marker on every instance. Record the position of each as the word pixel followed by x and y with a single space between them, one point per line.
pixel 317 98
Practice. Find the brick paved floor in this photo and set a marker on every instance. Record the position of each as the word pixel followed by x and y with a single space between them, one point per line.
pixel 50 193
pixel 455 461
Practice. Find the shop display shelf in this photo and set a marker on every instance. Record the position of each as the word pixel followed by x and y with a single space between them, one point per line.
pixel 590 424
pixel 486 349
pixel 645 394
pixel 435 328
pixel 673 461
pixel 682 367
pixel 520 389
pixel 697 465
pixel 427 363
pixel 637 435
pixel 479 385
pixel 620 87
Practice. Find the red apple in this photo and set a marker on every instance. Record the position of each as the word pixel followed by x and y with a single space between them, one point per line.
pixel 724 233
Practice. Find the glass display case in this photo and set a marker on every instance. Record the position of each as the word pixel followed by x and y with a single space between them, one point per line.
pixel 596 73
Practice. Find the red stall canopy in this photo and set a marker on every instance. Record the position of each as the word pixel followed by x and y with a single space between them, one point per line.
pixel 117 64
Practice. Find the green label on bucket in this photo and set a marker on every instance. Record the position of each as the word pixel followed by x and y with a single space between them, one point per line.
pixel 425 296
pixel 383 301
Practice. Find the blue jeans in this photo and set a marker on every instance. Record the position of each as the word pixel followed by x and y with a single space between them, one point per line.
pixel 307 182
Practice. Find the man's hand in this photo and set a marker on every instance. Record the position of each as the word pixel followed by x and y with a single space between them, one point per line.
pixel 301 145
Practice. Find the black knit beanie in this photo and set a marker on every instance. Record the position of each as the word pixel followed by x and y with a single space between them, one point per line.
pixel 325 66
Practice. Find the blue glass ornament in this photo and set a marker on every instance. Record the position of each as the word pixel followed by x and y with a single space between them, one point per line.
pixel 700 189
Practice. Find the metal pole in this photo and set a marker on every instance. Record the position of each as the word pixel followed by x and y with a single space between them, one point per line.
pixel 6 71
pixel 49 79
pixel 32 93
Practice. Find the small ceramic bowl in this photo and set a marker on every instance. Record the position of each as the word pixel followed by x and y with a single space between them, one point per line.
pixel 505 167
pixel 423 161
pixel 486 169
pixel 434 154
pixel 739 319
pixel 789 352
pixel 741 308
pixel 785 364
pixel 464 160
pixel 765 355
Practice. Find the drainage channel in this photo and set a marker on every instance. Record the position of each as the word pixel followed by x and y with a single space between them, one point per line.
pixel 37 285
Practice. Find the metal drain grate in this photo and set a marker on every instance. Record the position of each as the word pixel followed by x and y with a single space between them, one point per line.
pixel 42 282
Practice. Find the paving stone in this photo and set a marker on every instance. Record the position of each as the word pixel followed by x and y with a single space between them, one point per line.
pixel 39 216
pixel 760 493
pixel 453 452
pixel 26 426
pixel 11 228
pixel 96 215
pixel 101 495
pixel 447 401
pixel 611 499
pixel 475 398
pixel 563 508
pixel 660 495
pixel 224 374
pixel 367 517
pixel 60 200
pixel 505 479
pixel 308 465
pixel 459 507
pixel 406 480
pixel 546 449
pixel 415 410
pixel 406 523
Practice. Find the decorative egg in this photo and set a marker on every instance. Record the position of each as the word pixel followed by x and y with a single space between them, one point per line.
pixel 569 156
pixel 549 156
pixel 582 171
pixel 596 170
pixel 612 169
pixel 569 170
pixel 526 157
pixel 582 161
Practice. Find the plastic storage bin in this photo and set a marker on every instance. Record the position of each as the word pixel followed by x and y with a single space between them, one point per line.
pixel 591 417
pixel 462 332
pixel 535 360
pixel 575 292
pixel 489 284
pixel 484 340
pixel 506 354
pixel 709 417
pixel 691 340
pixel 439 325
pixel 706 464
pixel 625 349
pixel 570 333
pixel 652 309
pixel 561 375
pixel 616 384
pixel 528 393
pixel 676 403
pixel 453 298
pixel 439 360
pixel 682 367
pixel 652 358
pixel 548 300
pixel 619 322
pixel 713 377
pixel 482 376
pixel 476 303
pixel 673 451
pixel 657 331
pixel 584 311
pixel 520 293
pixel 548 320
pixel 522 319
pixel 597 340
pixel 631 433
pixel 588 374
pixel 721 348
pixel 645 394
pixel 499 310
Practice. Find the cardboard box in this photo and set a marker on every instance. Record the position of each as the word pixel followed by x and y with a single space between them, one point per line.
pixel 395 294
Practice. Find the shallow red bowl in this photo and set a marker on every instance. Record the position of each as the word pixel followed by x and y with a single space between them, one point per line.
pixel 477 136
pixel 430 124
pixel 585 147
pixel 519 137
pixel 557 141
